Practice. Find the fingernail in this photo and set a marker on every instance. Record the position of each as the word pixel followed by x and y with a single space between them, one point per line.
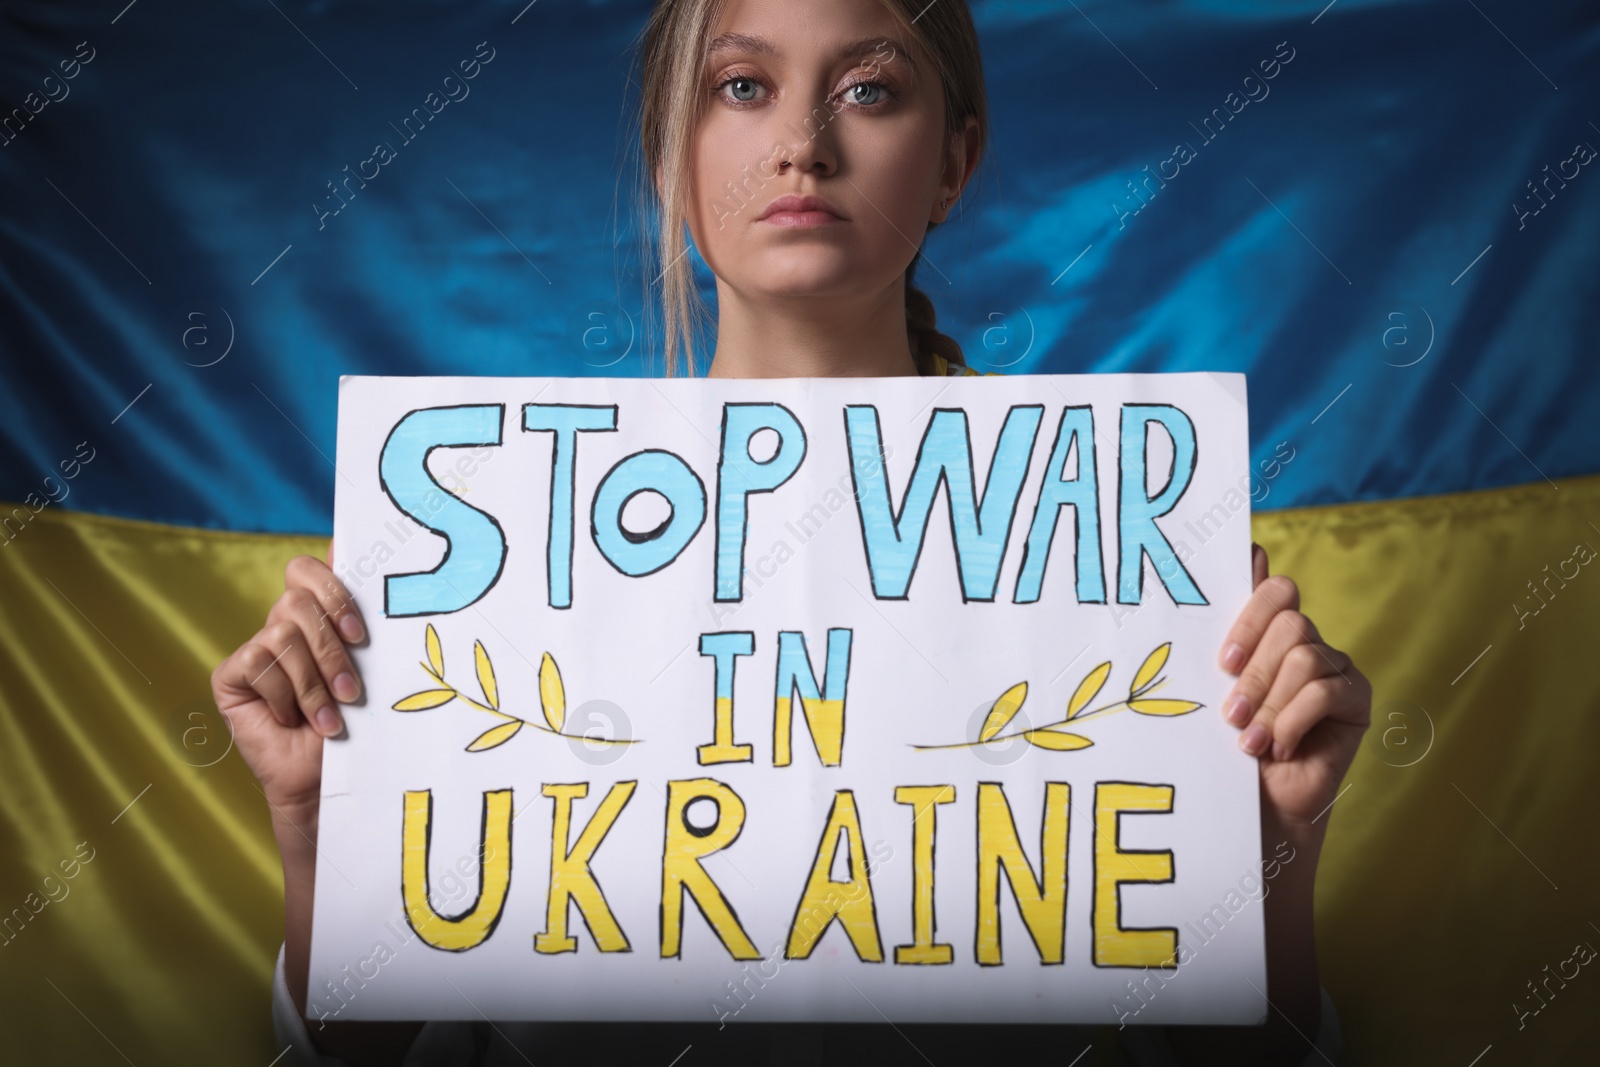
pixel 350 626
pixel 1233 657
pixel 1279 752
pixel 345 688
pixel 1238 710
pixel 1254 740
pixel 328 721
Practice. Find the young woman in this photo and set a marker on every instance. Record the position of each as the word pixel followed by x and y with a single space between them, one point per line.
pixel 809 146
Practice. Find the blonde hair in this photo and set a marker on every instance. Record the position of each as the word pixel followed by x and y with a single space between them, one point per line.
pixel 674 41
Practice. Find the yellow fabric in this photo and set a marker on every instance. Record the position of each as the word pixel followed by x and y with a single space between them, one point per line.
pixel 166 938
pixel 1431 918
pixel 941 368
pixel 1432 911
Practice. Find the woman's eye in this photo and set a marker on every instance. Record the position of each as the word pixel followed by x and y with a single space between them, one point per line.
pixel 743 90
pixel 864 94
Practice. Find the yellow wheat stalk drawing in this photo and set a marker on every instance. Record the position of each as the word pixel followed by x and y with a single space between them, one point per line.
pixel 1055 737
pixel 552 698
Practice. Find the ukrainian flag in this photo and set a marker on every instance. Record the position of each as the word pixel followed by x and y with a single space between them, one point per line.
pixel 1385 213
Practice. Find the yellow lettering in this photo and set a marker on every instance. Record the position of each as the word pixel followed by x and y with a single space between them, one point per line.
pixel 494 878
pixel 1115 945
pixel 823 706
pixel 849 901
pixel 923 799
pixel 681 871
pixel 571 880
pixel 723 750
pixel 825 720
pixel 1043 903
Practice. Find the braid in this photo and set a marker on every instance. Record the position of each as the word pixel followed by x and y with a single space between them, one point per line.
pixel 926 340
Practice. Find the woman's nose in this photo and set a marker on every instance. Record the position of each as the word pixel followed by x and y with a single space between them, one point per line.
pixel 808 130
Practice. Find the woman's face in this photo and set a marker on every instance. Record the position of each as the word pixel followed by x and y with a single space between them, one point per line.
pixel 834 88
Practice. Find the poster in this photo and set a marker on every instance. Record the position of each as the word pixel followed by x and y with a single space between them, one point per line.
pixel 795 699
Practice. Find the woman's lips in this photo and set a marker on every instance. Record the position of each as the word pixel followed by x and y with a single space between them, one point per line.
pixel 802 219
pixel 798 212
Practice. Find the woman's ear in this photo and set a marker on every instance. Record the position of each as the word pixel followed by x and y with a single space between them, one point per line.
pixel 961 159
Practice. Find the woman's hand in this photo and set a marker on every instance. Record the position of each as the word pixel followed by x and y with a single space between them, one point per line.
pixel 279 689
pixel 1302 706
pixel 278 693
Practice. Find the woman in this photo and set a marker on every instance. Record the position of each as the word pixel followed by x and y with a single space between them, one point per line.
pixel 809 147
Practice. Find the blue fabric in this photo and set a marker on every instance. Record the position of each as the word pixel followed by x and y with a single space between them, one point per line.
pixel 169 191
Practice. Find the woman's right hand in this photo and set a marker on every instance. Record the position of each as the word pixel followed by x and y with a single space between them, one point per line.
pixel 280 693
pixel 280 690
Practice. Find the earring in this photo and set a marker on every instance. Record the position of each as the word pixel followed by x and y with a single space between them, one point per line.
pixel 943 204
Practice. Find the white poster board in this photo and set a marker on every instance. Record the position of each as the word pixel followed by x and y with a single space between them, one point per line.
pixel 757 700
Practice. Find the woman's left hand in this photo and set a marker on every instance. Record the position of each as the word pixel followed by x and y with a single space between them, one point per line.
pixel 1302 706
pixel 1305 707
